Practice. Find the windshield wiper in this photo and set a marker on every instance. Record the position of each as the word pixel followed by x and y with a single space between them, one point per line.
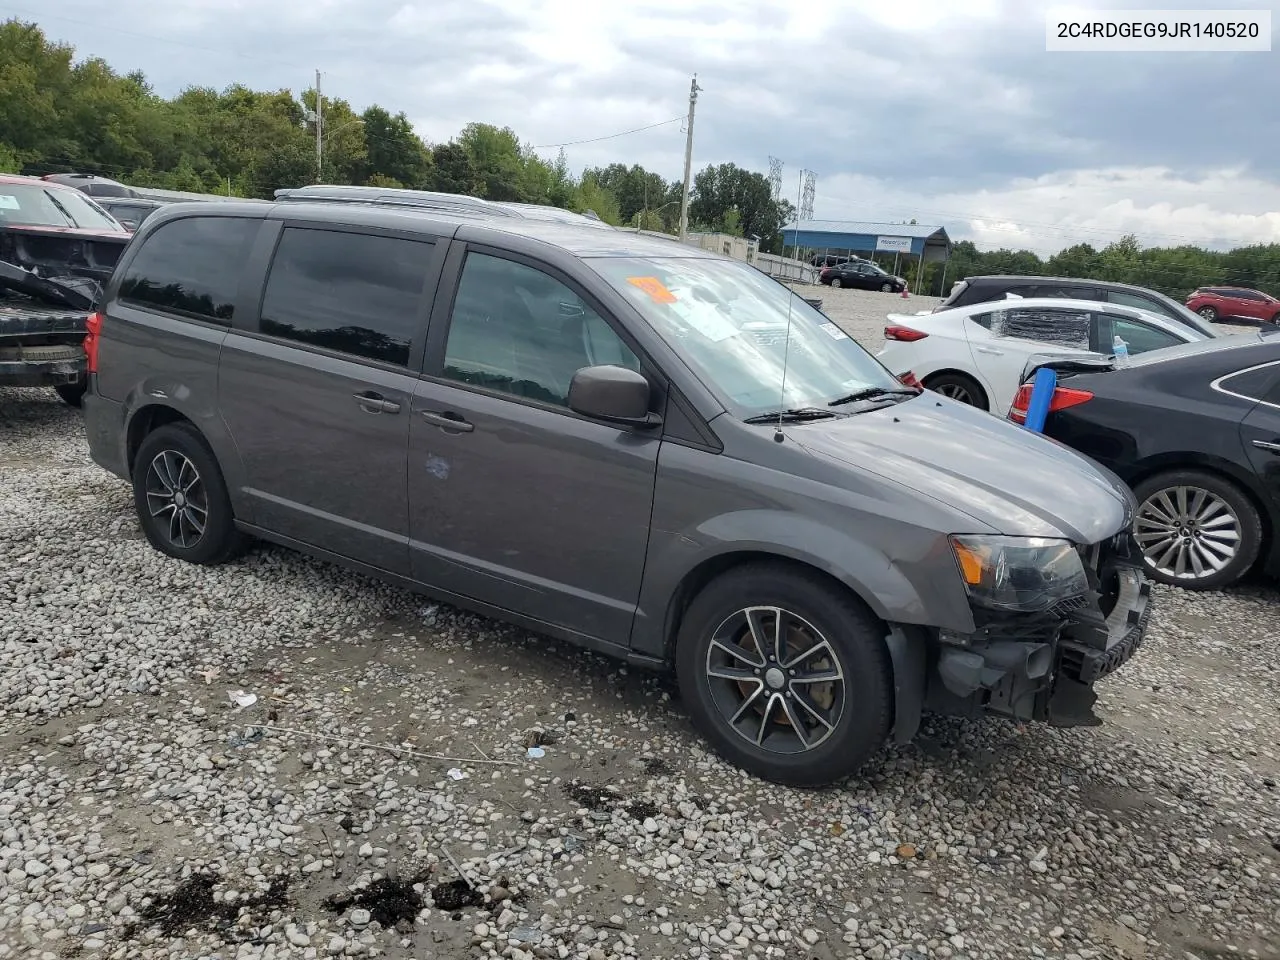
pixel 61 209
pixel 873 393
pixel 795 415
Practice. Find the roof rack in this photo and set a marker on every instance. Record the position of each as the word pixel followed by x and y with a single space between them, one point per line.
pixel 454 203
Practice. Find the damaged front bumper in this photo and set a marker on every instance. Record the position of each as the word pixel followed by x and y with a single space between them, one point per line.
pixel 1042 666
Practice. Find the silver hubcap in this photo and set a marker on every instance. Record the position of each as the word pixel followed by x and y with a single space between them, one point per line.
pixel 1187 533
pixel 775 680
pixel 176 498
pixel 955 391
pixel 835 282
pixel 1207 313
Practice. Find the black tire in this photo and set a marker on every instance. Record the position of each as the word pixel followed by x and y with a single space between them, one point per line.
pixel 72 394
pixel 166 447
pixel 1148 525
pixel 886 288
pixel 959 387
pixel 859 714
pixel 835 282
pixel 1209 314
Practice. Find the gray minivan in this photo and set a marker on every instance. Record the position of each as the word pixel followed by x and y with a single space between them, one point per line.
pixel 632 444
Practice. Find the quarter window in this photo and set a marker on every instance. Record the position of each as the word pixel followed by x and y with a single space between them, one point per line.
pixel 191 267
pixel 349 292
pixel 1139 336
pixel 518 330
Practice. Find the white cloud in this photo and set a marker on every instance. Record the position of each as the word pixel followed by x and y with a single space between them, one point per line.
pixel 949 111
pixel 1221 209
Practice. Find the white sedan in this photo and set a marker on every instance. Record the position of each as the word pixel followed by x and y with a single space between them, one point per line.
pixel 976 354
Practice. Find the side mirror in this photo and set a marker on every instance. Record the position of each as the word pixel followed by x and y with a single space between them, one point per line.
pixel 614 394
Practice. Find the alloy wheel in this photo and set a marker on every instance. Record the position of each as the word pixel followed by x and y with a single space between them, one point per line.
pixel 1187 533
pixel 775 680
pixel 176 498
pixel 954 391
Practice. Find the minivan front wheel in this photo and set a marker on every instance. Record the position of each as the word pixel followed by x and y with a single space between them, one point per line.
pixel 785 674
pixel 181 498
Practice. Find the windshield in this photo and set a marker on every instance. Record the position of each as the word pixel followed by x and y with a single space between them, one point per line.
pixel 26 205
pixel 729 323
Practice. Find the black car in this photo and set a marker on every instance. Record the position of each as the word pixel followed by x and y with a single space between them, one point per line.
pixel 863 275
pixel 985 289
pixel 129 211
pixel 1195 431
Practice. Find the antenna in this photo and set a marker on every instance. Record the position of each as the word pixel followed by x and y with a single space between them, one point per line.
pixel 775 178
pixel 806 183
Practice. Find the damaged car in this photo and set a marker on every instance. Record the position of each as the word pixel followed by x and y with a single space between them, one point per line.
pixel 714 479
pixel 57 247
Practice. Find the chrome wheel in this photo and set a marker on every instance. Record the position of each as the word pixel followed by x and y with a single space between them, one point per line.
pixel 1209 313
pixel 835 282
pixel 176 498
pixel 1187 533
pixel 775 679
pixel 886 288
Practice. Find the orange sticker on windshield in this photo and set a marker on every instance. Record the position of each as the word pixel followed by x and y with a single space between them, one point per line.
pixel 654 288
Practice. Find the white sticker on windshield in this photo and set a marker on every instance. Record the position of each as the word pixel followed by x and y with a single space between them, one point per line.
pixel 8 202
pixel 832 331
pixel 704 318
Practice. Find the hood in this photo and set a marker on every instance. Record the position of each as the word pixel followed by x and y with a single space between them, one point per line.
pixel 998 473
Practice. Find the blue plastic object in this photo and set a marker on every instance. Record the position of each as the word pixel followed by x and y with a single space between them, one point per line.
pixel 1045 382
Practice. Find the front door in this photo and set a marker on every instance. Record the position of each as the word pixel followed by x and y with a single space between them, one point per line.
pixel 317 394
pixel 1260 429
pixel 515 500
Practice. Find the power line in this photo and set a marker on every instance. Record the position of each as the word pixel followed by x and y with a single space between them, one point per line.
pixel 612 136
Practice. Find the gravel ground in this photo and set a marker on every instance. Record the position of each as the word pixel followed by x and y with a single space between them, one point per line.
pixel 379 798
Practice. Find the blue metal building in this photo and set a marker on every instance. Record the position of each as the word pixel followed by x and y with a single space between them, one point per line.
pixel 805 238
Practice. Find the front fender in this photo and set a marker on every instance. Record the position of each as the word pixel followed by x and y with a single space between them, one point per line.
pixel 914 582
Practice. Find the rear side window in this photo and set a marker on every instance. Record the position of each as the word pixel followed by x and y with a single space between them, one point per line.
pixel 191 267
pixel 1142 303
pixel 1139 336
pixel 350 292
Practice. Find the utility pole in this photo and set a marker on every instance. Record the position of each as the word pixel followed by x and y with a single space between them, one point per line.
pixel 688 159
pixel 319 133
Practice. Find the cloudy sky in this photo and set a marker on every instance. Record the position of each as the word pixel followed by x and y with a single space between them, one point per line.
pixel 948 111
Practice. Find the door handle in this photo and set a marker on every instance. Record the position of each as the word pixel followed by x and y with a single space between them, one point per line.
pixel 375 403
pixel 444 421
pixel 1265 445
pixel 991 350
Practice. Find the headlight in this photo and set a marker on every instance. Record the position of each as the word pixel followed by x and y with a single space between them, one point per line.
pixel 1019 573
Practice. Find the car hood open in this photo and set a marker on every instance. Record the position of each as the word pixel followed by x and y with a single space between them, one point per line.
pixel 1000 474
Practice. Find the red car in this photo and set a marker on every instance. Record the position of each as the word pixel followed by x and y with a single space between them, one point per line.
pixel 1219 303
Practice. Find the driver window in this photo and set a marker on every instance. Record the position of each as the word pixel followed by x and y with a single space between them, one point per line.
pixel 518 330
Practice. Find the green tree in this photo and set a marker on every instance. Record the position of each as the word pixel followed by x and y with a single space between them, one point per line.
pixel 393 151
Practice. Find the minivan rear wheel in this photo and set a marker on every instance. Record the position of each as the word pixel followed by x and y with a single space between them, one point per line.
pixel 181 498
pixel 785 674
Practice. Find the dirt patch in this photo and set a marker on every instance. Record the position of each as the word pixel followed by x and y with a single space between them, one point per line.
pixel 456 895
pixel 642 809
pixel 388 901
pixel 192 904
pixel 591 796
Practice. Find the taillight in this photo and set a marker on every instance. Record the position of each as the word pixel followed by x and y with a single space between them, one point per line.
pixel 93 326
pixel 1063 397
pixel 909 379
pixel 904 334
